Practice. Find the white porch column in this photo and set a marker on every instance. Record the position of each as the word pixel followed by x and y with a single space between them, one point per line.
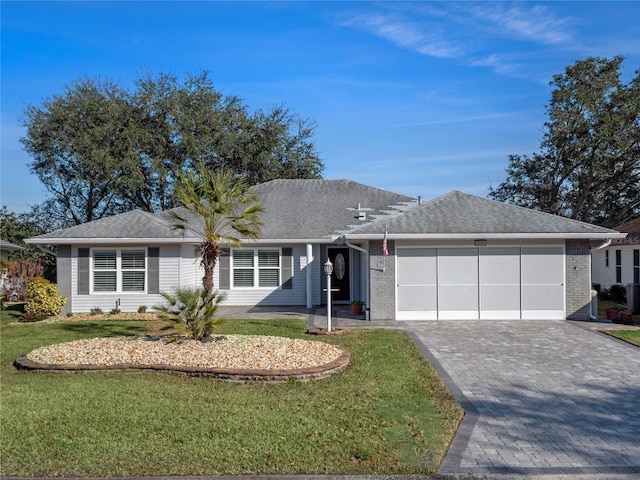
pixel 309 275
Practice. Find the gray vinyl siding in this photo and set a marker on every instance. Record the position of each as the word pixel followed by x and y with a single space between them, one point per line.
pixel 296 295
pixel 169 262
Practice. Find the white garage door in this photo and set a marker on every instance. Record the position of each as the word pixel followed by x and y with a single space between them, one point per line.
pixel 484 283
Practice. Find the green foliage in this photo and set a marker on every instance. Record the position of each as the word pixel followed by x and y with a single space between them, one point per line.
pixel 192 310
pixel 15 228
pixel 588 167
pixel 43 299
pixel 222 208
pixel 147 136
pixel 618 293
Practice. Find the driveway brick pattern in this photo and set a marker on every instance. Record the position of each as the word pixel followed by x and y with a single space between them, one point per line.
pixel 541 397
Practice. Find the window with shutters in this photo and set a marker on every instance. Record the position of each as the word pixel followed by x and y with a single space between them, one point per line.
pixel 255 268
pixel 119 270
pixel 618 266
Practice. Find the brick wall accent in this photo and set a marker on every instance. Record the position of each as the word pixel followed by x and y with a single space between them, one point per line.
pixel 382 284
pixel 578 279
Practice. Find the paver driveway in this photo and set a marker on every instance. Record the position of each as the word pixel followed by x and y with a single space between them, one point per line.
pixel 541 397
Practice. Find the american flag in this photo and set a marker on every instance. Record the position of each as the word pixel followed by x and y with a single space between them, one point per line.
pixel 385 251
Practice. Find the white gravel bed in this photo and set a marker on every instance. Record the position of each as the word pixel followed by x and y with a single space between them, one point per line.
pixel 248 352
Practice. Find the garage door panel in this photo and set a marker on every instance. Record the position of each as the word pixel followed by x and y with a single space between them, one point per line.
pixel 457 266
pixel 500 297
pixel 500 266
pixel 541 265
pixel 543 297
pixel 418 298
pixel 458 297
pixel 417 266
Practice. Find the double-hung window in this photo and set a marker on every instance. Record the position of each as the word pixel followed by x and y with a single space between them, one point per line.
pixel 119 270
pixel 256 268
pixel 636 266
pixel 618 266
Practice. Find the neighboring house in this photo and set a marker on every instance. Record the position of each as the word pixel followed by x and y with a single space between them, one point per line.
pixel 458 256
pixel 7 247
pixel 619 261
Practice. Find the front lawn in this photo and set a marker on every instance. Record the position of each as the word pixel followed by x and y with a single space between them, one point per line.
pixel 387 413
pixel 631 336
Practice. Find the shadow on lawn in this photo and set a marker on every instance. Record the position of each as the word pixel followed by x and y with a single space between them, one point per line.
pixel 107 329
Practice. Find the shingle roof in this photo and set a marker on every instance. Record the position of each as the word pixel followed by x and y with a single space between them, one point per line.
pixel 314 209
pixel 459 213
pixel 136 224
pixel 294 209
pixel 326 209
pixel 632 227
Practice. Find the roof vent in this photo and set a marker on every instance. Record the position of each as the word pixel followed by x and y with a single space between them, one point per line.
pixel 361 211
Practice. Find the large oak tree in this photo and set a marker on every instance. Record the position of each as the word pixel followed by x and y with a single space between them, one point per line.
pixel 588 167
pixel 102 149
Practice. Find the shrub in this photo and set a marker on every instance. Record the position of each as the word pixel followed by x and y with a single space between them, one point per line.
pixel 618 293
pixel 142 309
pixel 192 309
pixel 95 311
pixel 43 299
pixel 30 317
pixel 115 311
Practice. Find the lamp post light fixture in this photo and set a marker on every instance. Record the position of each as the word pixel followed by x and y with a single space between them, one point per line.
pixel 328 269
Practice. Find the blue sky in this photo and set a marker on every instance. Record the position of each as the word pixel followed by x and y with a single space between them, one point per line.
pixel 419 98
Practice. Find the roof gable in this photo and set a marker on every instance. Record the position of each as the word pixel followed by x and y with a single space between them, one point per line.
pixel 458 213
pixel 315 209
pixel 136 224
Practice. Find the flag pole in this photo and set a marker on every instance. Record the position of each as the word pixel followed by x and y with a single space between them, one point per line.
pixel 385 250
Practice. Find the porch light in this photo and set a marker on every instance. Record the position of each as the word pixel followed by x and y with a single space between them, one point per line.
pixel 328 269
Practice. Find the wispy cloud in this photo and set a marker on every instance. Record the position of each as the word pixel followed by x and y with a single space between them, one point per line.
pixel 473 33
pixel 536 24
pixel 424 38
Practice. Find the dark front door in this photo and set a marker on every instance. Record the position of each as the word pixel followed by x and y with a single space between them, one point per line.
pixel 340 277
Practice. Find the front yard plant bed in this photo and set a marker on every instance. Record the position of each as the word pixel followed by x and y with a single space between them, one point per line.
pixel 236 358
pixel 387 413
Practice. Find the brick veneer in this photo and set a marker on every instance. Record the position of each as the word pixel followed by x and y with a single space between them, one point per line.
pixel 383 281
pixel 578 279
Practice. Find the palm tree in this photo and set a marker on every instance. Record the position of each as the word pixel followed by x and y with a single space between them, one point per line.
pixel 221 209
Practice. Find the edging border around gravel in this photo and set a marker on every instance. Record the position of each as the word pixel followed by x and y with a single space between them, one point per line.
pixel 227 374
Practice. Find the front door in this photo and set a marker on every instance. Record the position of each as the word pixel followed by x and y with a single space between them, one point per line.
pixel 341 273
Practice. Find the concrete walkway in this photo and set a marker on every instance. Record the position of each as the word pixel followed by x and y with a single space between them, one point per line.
pixel 541 397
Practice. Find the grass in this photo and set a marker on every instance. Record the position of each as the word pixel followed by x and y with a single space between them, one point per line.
pixel 631 336
pixel 388 413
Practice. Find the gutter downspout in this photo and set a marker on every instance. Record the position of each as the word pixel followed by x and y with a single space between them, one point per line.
pixel 593 314
pixel 366 269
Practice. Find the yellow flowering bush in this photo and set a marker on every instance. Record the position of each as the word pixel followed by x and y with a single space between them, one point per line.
pixel 43 299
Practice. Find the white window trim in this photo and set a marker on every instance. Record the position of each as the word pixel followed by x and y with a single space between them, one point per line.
pixel 118 271
pixel 256 269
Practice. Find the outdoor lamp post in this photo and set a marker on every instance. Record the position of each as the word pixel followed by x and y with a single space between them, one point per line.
pixel 328 269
